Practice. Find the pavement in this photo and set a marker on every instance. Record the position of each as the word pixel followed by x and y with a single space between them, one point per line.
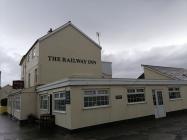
pixel 170 128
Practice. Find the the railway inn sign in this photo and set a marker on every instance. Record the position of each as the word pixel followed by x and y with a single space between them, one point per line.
pixel 71 60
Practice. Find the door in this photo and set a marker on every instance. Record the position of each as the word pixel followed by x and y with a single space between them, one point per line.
pixel 159 107
pixel 50 104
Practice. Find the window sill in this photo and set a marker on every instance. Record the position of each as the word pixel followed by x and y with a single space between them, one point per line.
pixel 176 99
pixel 62 112
pixel 136 103
pixel 95 107
pixel 43 109
pixel 18 110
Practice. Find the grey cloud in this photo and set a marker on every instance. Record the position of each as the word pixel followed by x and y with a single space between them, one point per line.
pixel 125 26
pixel 130 66
pixel 9 68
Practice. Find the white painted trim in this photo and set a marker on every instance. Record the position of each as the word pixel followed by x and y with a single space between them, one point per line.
pixel 18 110
pixel 134 103
pixel 108 82
pixel 43 109
pixel 176 99
pixel 94 107
pixel 62 112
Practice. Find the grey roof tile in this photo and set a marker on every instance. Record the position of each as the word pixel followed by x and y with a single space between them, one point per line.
pixel 174 73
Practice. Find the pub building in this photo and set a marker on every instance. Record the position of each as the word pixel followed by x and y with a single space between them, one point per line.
pixel 64 76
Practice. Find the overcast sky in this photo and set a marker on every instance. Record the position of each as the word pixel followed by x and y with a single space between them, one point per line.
pixel 133 32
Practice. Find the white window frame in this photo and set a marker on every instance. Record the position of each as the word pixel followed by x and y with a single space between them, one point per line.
pixel 35 76
pixel 174 90
pixel 59 96
pixel 29 57
pixel 17 103
pixel 44 98
pixel 9 102
pixel 136 92
pixel 33 52
pixel 29 79
pixel 95 93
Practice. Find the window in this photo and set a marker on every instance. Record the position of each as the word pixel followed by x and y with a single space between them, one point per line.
pixel 9 102
pixel 44 102
pixel 29 80
pixel 174 93
pixel 17 102
pixel 60 101
pixel 135 95
pixel 28 57
pixel 94 98
pixel 35 76
pixel 33 52
pixel 23 71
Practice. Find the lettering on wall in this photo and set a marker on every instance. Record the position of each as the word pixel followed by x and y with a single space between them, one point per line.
pixel 71 60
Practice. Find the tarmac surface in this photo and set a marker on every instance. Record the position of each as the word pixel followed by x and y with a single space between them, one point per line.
pixel 170 128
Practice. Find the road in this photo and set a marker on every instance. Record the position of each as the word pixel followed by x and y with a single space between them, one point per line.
pixel 171 128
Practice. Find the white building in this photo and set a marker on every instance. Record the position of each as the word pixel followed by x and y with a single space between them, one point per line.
pixel 64 76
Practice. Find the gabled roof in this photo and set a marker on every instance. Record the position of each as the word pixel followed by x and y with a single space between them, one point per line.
pixel 171 72
pixel 57 30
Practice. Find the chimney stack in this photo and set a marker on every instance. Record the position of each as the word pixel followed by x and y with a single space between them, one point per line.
pixel 50 30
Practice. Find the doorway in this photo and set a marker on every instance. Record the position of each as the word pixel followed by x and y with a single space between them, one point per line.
pixel 50 104
pixel 159 107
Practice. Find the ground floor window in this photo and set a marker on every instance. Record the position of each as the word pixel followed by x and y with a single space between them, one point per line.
pixel 135 95
pixel 44 102
pixel 174 92
pixel 94 98
pixel 17 102
pixel 60 101
pixel 9 102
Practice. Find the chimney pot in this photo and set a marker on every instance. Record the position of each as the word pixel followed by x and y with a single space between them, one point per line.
pixel 50 30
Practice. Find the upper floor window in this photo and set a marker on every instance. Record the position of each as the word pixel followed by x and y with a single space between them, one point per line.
pixel 29 57
pixel 29 80
pixel 23 72
pixel 94 98
pixel 36 76
pixel 174 92
pixel 135 95
pixel 33 52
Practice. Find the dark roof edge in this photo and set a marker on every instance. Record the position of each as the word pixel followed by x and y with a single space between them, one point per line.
pixel 55 31
pixel 21 61
pixel 76 28
pixel 143 65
